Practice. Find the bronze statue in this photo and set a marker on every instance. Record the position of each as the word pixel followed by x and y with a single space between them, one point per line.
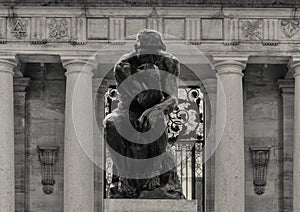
pixel 144 110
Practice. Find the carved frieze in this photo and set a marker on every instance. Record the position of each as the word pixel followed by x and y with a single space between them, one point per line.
pixel 270 32
pixel 251 29
pixel 212 28
pixel 38 30
pixel 117 29
pixel 58 28
pixel 3 31
pixel 290 27
pixel 97 28
pixel 260 157
pixel 134 25
pixel 78 31
pixel 18 28
pixel 174 28
pixel 231 31
pixel 193 29
pixel 155 23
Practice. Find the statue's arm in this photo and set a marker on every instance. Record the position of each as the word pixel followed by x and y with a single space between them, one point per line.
pixel 166 106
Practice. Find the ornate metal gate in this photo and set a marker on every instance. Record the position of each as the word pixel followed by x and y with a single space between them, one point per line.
pixel 187 121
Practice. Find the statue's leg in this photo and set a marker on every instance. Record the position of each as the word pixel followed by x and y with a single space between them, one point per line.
pixel 120 152
pixel 156 149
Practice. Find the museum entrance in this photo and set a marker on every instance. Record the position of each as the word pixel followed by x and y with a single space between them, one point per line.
pixel 187 121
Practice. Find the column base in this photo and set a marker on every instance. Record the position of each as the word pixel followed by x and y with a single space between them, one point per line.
pixel 138 205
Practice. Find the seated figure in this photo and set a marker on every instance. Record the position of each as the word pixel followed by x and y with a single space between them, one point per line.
pixel 144 110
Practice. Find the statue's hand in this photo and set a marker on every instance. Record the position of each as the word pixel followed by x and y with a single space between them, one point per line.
pixel 150 116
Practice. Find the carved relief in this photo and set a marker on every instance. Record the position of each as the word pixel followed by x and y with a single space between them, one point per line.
pixel 260 158
pixel 3 31
pixel 251 29
pixel 58 28
pixel 193 29
pixel 270 34
pixel 38 30
pixel 289 27
pixel 117 28
pixel 78 31
pixel 48 158
pixel 231 32
pixel 19 28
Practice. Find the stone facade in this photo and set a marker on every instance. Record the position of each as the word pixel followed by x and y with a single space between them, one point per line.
pixel 47 42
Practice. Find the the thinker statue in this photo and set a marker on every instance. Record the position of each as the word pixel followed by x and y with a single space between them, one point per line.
pixel 145 101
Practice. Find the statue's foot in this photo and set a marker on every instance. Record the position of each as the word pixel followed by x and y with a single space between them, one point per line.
pixel 114 191
pixel 127 190
pixel 152 183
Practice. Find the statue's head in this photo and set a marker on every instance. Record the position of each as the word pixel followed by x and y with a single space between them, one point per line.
pixel 149 41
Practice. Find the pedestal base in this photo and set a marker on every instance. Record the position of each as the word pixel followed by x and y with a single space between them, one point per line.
pixel 154 205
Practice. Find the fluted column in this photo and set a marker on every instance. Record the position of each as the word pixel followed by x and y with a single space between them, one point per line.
pixel 295 65
pixel 229 156
pixel 7 174
pixel 78 149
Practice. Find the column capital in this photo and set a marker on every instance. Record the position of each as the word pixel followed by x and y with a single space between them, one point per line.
pixel 98 84
pixel 294 65
pixel 230 64
pixel 287 86
pixel 210 85
pixel 20 84
pixel 78 65
pixel 8 65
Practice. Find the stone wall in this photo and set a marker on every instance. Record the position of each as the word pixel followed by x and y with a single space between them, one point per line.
pixel 45 127
pixel 263 127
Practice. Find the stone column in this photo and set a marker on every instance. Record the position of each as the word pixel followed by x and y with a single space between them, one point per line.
pixel 20 85
pixel 78 150
pixel 296 154
pixel 287 89
pixel 7 174
pixel 210 98
pixel 99 91
pixel 229 156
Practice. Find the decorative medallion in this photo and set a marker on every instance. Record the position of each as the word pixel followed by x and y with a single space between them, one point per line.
pixel 251 29
pixel 58 28
pixel 289 27
pixel 19 28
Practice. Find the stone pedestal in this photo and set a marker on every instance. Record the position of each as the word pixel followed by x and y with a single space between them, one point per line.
pixel 7 174
pixel 229 156
pixel 158 205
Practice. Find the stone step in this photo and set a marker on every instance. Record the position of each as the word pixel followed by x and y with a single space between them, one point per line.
pixel 150 205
